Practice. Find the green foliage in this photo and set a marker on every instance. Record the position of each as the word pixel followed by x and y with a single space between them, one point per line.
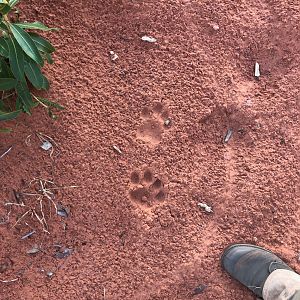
pixel 22 55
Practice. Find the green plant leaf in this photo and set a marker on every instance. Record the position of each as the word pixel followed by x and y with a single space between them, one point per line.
pixel 5 130
pixel 35 25
pixel 2 105
pixel 34 74
pixel 26 43
pixel 12 3
pixel 46 84
pixel 4 47
pixel 7 84
pixel 5 116
pixel 48 57
pixel 41 43
pixel 16 59
pixel 24 96
pixel 50 103
pixel 4 69
pixel 3 27
pixel 19 104
pixel 4 7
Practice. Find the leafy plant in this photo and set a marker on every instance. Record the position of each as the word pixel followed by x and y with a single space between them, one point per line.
pixel 22 55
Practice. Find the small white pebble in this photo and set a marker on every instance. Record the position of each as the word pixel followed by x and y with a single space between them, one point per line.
pixel 167 122
pixel 50 274
pixel 46 146
pixel 207 208
pixel 216 27
pixel 113 55
pixel 148 39
pixel 256 70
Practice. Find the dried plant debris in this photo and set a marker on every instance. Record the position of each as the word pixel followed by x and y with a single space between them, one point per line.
pixel 47 143
pixel 9 280
pixel 17 196
pixel 117 149
pixel 27 235
pixel 37 202
pixel 228 135
pixel 4 219
pixel 206 207
pixel 6 152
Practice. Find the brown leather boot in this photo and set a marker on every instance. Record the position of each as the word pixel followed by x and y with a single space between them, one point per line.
pixel 251 265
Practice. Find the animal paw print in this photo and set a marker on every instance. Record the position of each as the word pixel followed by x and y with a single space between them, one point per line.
pixel 155 121
pixel 148 189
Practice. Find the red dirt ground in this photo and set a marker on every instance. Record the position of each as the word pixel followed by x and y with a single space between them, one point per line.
pixel 134 225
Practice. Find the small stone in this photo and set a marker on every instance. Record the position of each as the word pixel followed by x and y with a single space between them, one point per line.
pixel 207 208
pixel 46 145
pixel 228 135
pixel 148 39
pixel 215 27
pixel 35 249
pixel 63 253
pixel 199 289
pixel 113 56
pixel 167 122
pixel 49 274
pixel 256 70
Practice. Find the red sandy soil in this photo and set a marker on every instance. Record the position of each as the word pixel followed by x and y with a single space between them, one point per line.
pixel 134 225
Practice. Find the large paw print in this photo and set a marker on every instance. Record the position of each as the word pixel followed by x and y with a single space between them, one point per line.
pixel 147 189
pixel 155 121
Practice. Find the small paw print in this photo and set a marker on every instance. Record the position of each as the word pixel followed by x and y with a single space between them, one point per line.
pixel 148 189
pixel 155 121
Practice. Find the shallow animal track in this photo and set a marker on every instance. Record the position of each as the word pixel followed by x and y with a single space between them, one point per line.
pixel 147 188
pixel 155 121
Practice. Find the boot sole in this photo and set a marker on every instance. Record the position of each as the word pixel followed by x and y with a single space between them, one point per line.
pixel 227 249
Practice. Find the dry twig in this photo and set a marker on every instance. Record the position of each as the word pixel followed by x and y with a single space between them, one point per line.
pixel 35 205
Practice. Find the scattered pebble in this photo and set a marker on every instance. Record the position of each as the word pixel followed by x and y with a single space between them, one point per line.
pixel 29 234
pixel 207 208
pixel 113 56
pixel 35 249
pixel 248 102
pixel 228 135
pixel 256 70
pixel 62 211
pixel 46 145
pixel 215 27
pixel 167 122
pixel 49 274
pixel 199 289
pixel 148 39
pixel 63 254
pixel 117 149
